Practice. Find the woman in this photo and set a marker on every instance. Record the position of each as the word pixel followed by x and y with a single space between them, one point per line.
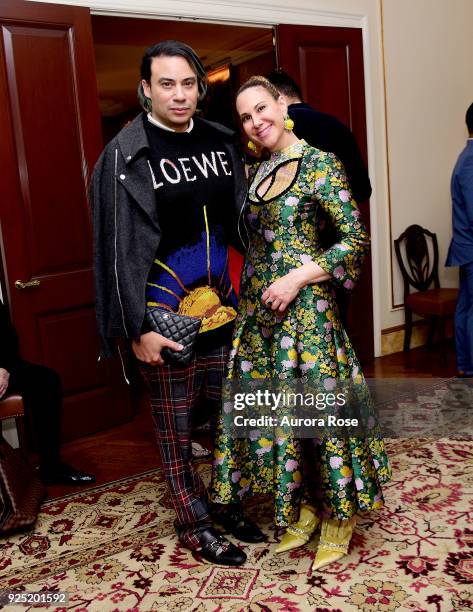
pixel 288 327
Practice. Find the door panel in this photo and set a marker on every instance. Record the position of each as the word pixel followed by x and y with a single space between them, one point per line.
pixel 334 59
pixel 48 203
pixel 49 141
pixel 78 367
pixel 328 65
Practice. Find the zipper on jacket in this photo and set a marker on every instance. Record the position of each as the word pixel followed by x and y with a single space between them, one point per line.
pixel 115 245
pixel 123 363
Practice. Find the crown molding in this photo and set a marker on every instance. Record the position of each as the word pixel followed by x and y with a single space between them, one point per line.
pixel 261 13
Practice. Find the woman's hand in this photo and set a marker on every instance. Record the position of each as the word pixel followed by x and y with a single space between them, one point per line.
pixel 283 291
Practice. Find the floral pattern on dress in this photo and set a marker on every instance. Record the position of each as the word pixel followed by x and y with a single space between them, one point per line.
pixel 305 342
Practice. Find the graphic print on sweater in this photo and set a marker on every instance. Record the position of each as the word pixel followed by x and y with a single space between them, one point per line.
pixel 193 181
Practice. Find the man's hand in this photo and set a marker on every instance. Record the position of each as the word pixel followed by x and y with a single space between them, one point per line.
pixel 4 378
pixel 149 348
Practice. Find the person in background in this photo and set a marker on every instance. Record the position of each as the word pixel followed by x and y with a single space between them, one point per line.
pixel 324 132
pixel 460 252
pixel 41 390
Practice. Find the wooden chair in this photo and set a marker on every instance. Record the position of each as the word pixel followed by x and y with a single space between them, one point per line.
pixel 419 268
pixel 11 407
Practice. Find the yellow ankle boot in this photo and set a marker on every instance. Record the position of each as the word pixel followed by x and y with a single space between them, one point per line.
pixel 335 536
pixel 299 533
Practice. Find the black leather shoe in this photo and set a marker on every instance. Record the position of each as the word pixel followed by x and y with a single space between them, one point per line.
pixel 217 549
pixel 242 528
pixel 65 474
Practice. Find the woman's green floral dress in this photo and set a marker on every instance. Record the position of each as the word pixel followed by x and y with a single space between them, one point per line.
pixel 286 195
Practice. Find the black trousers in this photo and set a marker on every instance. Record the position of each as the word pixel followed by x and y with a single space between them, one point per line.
pixel 41 389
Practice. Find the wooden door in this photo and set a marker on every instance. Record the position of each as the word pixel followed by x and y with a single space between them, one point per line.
pixel 49 141
pixel 328 64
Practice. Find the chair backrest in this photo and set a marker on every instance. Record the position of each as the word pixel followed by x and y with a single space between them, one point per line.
pixel 419 265
pixel 11 406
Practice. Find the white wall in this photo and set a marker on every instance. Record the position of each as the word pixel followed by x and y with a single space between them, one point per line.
pixel 419 50
pixel 428 48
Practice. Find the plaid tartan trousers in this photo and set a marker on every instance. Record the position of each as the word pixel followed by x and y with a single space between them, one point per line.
pixel 174 392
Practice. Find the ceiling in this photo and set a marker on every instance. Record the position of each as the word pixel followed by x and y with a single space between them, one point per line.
pixel 120 42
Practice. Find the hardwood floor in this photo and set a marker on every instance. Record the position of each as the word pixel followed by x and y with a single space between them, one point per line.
pixel 131 449
pixel 416 363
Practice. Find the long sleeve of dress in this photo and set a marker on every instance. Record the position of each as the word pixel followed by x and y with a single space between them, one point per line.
pixel 343 260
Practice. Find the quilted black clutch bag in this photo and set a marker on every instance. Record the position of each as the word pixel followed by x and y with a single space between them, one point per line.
pixel 179 328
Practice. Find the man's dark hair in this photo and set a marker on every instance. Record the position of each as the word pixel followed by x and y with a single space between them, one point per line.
pixel 284 83
pixel 469 119
pixel 171 48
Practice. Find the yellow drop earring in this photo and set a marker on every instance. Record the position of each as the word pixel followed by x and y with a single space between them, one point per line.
pixel 251 145
pixel 288 124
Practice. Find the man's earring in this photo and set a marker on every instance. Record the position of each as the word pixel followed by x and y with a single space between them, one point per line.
pixel 288 124
pixel 251 145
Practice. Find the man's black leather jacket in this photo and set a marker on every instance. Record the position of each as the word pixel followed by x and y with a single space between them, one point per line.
pixel 127 232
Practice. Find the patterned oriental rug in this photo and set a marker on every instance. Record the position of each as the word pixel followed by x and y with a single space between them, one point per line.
pixel 113 548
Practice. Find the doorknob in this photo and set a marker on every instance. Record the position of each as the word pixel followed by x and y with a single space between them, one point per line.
pixel 28 284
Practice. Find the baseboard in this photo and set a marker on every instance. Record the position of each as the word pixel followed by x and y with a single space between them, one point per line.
pixel 392 338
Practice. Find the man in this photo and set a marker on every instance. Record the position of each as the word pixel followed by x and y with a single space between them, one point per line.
pixel 460 252
pixel 167 194
pixel 324 132
pixel 41 390
pixel 327 133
